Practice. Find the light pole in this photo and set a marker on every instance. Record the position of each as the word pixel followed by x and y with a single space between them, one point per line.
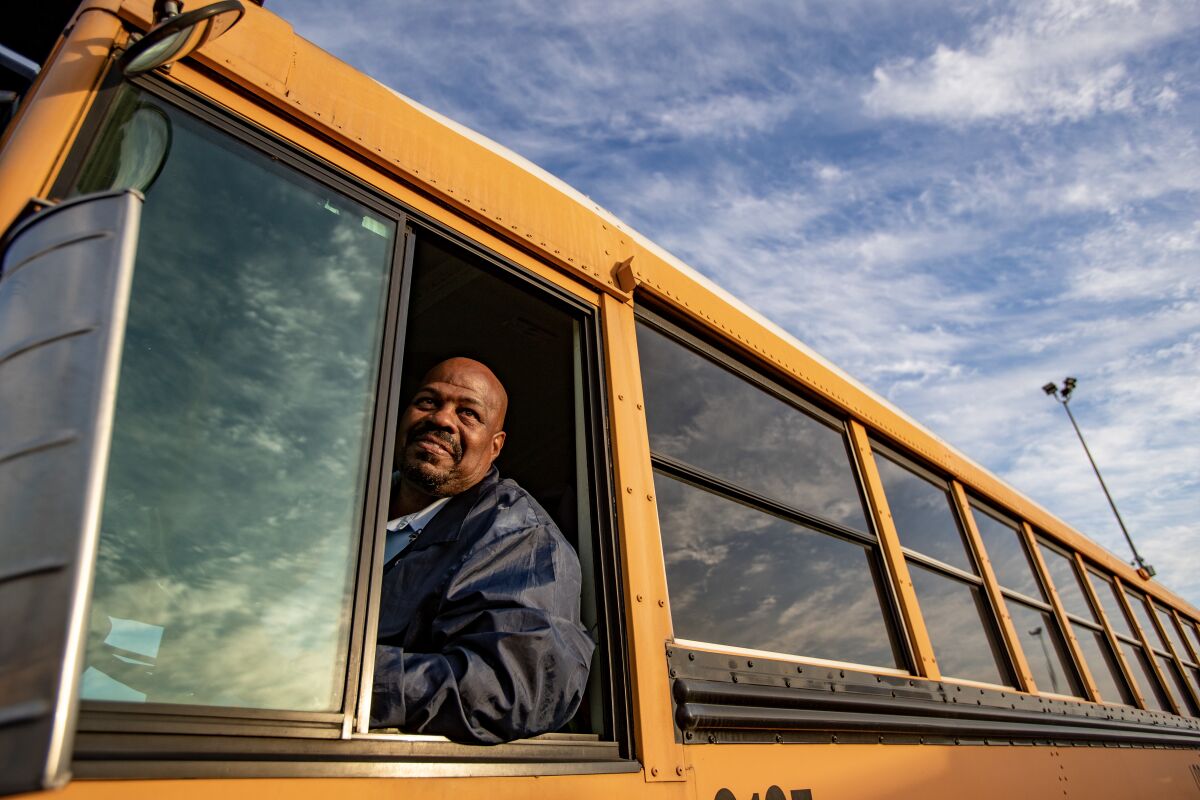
pixel 1145 570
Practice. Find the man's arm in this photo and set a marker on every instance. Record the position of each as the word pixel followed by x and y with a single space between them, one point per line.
pixel 512 659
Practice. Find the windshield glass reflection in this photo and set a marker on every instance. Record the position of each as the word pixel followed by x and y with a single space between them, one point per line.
pixel 233 501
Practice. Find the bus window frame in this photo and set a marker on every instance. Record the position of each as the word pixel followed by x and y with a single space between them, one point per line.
pixel 977 505
pixel 1142 641
pixel 1009 666
pixel 113 738
pixel 664 322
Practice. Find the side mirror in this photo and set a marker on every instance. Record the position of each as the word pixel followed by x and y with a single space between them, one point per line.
pixel 178 35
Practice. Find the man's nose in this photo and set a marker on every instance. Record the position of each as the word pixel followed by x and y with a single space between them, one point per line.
pixel 443 417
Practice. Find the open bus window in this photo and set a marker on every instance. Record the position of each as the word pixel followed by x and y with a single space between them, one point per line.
pixel 538 347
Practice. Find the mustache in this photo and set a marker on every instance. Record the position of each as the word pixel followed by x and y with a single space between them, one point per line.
pixel 449 440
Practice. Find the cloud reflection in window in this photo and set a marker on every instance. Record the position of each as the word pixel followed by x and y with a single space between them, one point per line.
pixel 234 489
pixel 701 414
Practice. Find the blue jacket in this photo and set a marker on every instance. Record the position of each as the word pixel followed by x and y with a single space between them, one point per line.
pixel 479 632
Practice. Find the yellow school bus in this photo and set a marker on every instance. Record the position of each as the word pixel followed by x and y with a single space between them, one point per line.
pixel 227 257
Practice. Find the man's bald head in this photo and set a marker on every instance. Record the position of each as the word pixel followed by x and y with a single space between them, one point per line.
pixel 470 369
pixel 451 432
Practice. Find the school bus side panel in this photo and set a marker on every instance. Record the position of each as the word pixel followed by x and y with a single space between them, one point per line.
pixel 933 772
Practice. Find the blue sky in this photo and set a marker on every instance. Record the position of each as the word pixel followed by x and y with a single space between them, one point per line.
pixel 956 202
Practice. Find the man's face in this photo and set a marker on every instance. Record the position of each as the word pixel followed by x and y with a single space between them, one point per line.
pixel 451 431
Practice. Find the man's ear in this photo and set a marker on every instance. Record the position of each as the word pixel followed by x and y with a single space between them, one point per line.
pixel 497 444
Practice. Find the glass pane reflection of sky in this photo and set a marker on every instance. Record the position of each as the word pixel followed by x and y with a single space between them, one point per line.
pixel 1106 590
pixel 705 416
pixel 1174 681
pixel 740 577
pixel 1066 583
pixel 1045 651
pixel 958 623
pixel 238 457
pixel 1168 625
pixel 1135 657
pixel 923 514
pixel 1137 603
pixel 1102 665
pixel 1007 555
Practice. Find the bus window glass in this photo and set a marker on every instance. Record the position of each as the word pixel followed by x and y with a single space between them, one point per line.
pixel 234 497
pixel 1106 590
pixel 1066 583
pixel 924 515
pixel 1168 625
pixel 741 577
pixel 1102 664
pixel 1137 603
pixel 1007 554
pixel 959 625
pixel 1045 650
pixel 1193 637
pixel 1143 674
pixel 1167 668
pixel 1177 687
pixel 704 415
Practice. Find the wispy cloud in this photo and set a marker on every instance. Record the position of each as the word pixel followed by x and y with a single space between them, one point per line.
pixel 1058 61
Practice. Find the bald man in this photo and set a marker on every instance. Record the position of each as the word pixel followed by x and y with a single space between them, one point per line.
pixel 479 632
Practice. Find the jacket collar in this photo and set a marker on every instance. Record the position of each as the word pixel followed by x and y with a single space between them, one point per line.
pixel 447 524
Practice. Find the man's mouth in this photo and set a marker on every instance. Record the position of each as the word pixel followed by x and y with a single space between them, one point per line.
pixel 432 441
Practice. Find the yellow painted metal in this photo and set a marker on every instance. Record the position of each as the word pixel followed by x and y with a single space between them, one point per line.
pixel 1016 653
pixel 1109 632
pixel 38 139
pixel 576 787
pixel 646 599
pixel 841 771
pixel 1085 671
pixel 889 542
pixel 929 772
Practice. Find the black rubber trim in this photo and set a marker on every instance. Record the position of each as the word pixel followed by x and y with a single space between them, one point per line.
pixel 729 698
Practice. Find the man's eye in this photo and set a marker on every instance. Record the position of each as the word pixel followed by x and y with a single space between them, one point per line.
pixel 471 413
pixel 423 402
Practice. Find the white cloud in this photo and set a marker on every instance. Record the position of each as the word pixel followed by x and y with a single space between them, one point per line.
pixel 1056 61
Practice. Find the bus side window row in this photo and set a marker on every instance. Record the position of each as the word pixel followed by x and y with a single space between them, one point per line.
pixel 768 548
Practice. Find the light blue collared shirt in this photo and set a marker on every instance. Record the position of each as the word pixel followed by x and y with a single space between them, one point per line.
pixel 402 531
